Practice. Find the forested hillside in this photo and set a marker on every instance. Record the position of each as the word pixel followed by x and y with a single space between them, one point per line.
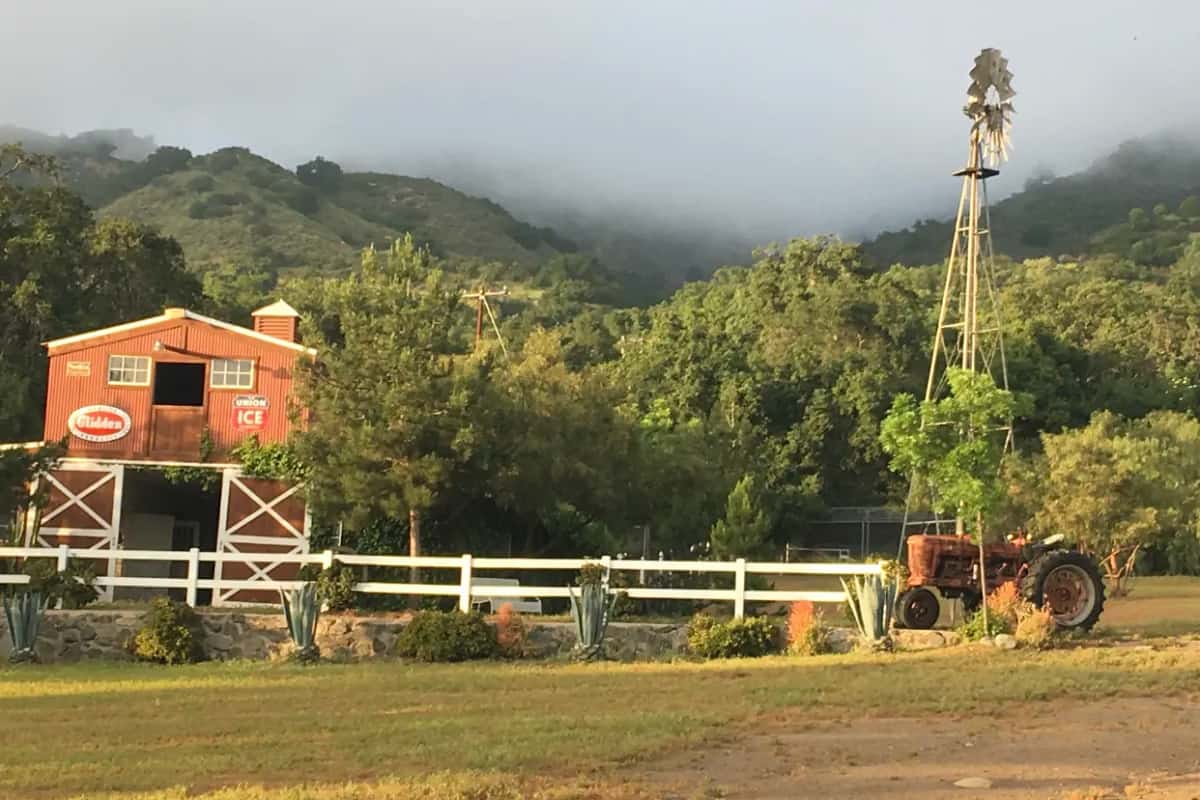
pixel 721 417
pixel 232 206
pixel 1063 215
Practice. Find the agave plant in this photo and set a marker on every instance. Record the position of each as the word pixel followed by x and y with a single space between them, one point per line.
pixel 590 609
pixel 871 599
pixel 301 608
pixel 23 612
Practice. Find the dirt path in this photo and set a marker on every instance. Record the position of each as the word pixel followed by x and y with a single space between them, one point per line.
pixel 1139 748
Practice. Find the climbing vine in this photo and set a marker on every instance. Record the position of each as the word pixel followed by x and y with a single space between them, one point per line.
pixel 273 460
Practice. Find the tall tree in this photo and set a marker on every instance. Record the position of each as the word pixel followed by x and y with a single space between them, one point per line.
pixel 386 403
pixel 62 273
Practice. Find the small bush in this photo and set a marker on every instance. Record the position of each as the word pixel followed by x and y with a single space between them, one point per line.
pixel 335 586
pixel 208 209
pixel 302 199
pixel 1036 629
pixel 1006 608
pixel 808 635
pixel 748 637
pixel 75 586
pixel 171 633
pixel 512 635
pixel 1006 603
pixel 201 183
pixel 972 630
pixel 446 636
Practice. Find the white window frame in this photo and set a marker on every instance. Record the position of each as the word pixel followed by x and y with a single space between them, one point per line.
pixel 212 373
pixel 135 369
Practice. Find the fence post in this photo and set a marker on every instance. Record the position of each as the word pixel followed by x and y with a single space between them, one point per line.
pixel 464 584
pixel 606 562
pixel 739 588
pixel 193 575
pixel 64 557
pixel 327 559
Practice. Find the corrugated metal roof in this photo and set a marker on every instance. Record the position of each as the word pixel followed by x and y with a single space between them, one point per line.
pixel 173 314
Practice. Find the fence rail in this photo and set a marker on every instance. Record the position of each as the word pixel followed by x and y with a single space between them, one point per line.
pixel 465 565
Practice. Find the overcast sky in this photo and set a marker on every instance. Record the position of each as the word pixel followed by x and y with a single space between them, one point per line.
pixel 771 118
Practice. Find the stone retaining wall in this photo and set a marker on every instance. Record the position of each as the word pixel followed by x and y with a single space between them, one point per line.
pixel 68 636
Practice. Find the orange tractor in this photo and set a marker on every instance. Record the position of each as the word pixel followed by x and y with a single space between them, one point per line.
pixel 1066 581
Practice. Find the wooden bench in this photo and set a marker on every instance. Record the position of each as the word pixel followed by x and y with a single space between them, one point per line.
pixel 479 596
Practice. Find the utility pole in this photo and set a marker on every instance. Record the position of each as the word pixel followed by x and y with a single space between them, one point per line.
pixel 480 296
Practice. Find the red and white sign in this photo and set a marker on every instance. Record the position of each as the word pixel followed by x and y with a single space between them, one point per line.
pixel 99 423
pixel 250 412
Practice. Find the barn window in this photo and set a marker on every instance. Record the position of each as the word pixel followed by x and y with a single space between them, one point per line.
pixel 232 373
pixel 129 370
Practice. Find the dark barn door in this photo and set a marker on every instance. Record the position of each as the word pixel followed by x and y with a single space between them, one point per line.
pixel 178 413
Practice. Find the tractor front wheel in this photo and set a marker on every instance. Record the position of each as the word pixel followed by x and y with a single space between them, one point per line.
pixel 918 609
pixel 1067 583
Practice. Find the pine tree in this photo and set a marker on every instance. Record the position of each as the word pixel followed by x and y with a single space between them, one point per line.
pixel 743 532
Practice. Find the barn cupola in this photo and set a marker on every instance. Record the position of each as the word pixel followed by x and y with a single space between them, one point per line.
pixel 278 319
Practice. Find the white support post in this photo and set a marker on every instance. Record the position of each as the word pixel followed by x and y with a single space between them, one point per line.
pixel 222 532
pixel 327 559
pixel 193 575
pixel 114 543
pixel 464 584
pixel 64 557
pixel 739 588
pixel 606 562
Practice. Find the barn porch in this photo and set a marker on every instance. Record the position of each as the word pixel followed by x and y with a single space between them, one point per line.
pixel 119 506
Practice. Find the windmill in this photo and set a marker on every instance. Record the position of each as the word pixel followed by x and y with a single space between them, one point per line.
pixel 969 332
pixel 969 328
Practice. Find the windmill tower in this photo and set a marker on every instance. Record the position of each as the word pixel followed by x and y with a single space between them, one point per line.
pixel 969 327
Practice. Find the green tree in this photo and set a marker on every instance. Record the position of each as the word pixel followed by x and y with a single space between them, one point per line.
pixel 1119 487
pixel 1190 207
pixel 744 530
pixel 388 407
pixel 321 174
pixel 19 467
pixel 952 444
pixel 61 273
pixel 1138 219
pixel 231 292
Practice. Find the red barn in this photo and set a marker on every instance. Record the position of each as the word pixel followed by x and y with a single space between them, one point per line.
pixel 139 401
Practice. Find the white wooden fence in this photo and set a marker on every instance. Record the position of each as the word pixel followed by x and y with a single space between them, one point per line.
pixel 465 565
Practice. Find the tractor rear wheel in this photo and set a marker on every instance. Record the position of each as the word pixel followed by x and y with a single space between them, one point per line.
pixel 1069 584
pixel 918 609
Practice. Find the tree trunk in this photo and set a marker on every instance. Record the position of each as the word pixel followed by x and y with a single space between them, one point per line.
pixel 414 550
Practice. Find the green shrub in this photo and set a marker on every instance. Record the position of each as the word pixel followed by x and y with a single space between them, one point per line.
pixel 201 183
pixel 224 159
pixel 171 633
pixel 208 209
pixel 748 637
pixel 1036 629
pixel 446 636
pixel 260 178
pixel 973 630
pixel 302 199
pixel 335 586
pixel 75 586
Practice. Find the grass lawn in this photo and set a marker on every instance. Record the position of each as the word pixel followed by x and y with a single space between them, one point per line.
pixel 1157 606
pixel 380 729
